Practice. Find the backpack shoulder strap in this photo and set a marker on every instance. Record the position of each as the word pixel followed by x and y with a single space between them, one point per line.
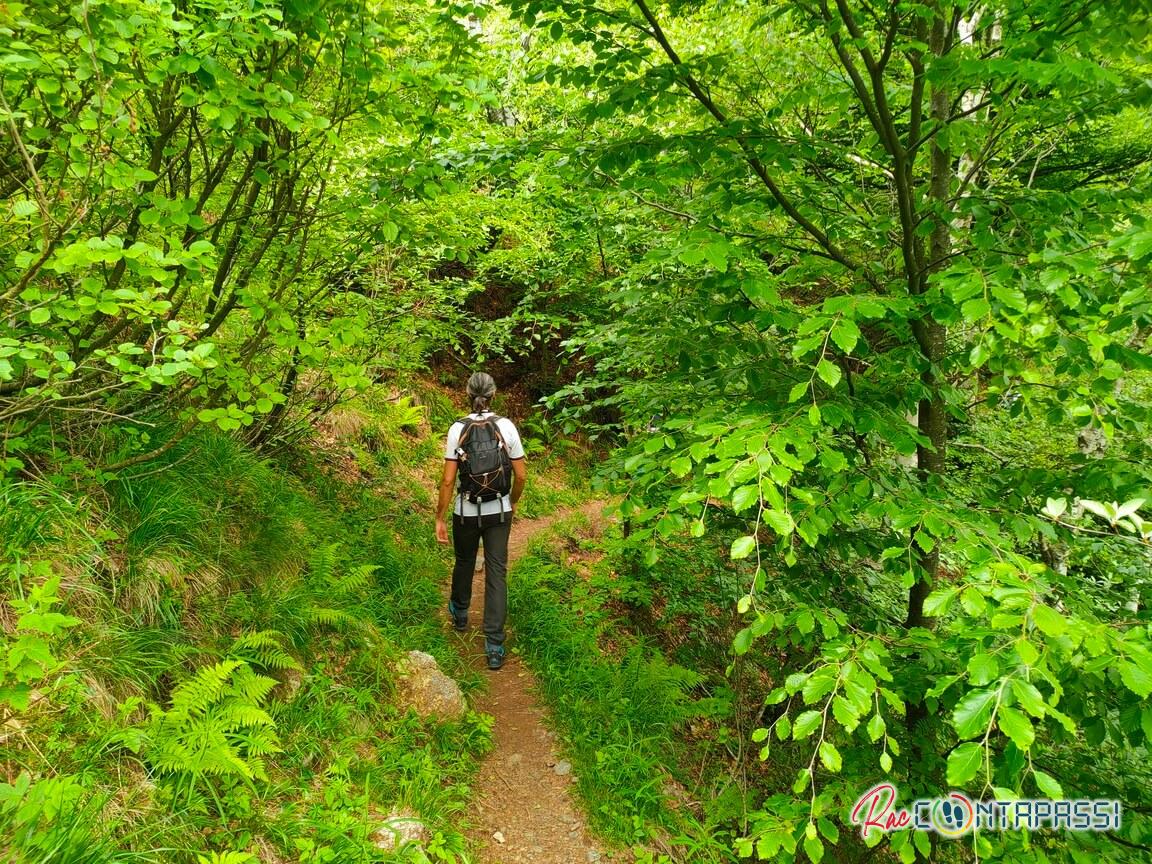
pixel 495 421
pixel 465 427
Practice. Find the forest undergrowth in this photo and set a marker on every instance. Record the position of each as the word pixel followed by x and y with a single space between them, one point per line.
pixel 203 663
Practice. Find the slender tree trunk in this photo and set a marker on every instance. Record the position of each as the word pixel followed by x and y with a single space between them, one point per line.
pixel 931 336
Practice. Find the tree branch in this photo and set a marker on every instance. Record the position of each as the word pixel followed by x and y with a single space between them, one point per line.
pixel 694 87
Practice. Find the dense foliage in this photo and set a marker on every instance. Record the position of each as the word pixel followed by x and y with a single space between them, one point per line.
pixel 200 201
pixel 225 686
pixel 890 305
pixel 856 290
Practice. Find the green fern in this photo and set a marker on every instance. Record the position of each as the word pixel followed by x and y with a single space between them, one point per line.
pixel 323 573
pixel 330 617
pixel 357 579
pixel 196 696
pixel 263 648
pixel 216 726
pixel 249 687
pixel 328 583
pixel 322 564
pixel 406 416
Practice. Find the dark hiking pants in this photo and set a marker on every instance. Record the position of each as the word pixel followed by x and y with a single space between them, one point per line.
pixel 466 536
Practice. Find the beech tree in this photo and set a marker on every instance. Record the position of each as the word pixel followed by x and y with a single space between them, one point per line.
pixel 879 229
pixel 196 197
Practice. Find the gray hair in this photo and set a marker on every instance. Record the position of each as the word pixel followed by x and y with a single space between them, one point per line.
pixel 481 389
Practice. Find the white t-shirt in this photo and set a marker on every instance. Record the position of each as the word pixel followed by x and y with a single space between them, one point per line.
pixel 515 451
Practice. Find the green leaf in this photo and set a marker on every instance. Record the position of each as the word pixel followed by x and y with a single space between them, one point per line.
pixel 783 727
pixel 1016 726
pixel 845 713
pixel 1027 652
pixel 680 466
pixel 806 624
pixel 828 371
pixel 780 521
pixel 964 762
pixel 745 497
pixel 983 669
pixel 40 315
pixel 828 830
pixel 797 391
pixel 742 547
pixel 1136 677
pixel 803 777
pixel 938 602
pixel 886 761
pixel 973 602
pixel 1049 621
pixel 819 685
pixel 1048 785
pixel 1029 697
pixel 1129 507
pixel 806 724
pixel 814 848
pixel 691 255
pixel 845 334
pixel 876 727
pixel 794 682
pixel 942 683
pixel 971 715
pixel 830 756
pixel 1102 510
pixel 717 255
pixel 923 844
pixel 16 695
pixel 743 640
pixel 975 309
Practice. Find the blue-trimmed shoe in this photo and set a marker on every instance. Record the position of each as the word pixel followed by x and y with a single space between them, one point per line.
pixel 495 655
pixel 459 619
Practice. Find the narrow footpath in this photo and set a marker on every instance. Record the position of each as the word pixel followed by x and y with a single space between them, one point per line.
pixel 524 813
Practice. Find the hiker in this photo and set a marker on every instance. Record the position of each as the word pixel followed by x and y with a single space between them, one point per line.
pixel 485 452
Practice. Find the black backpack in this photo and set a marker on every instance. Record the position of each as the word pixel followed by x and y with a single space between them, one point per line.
pixel 485 468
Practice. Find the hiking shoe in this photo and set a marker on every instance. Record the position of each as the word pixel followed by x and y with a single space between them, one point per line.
pixel 459 619
pixel 495 656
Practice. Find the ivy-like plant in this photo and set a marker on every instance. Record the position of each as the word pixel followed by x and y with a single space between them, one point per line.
pixel 26 657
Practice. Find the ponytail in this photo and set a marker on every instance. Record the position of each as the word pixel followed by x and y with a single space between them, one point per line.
pixel 481 389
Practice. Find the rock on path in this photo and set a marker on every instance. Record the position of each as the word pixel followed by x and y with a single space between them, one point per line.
pixel 427 690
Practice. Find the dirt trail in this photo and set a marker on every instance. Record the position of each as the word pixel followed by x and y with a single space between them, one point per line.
pixel 521 795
